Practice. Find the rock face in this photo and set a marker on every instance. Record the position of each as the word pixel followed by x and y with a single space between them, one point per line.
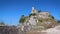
pixel 44 14
pixel 55 30
pixel 8 30
pixel 37 20
pixel 32 21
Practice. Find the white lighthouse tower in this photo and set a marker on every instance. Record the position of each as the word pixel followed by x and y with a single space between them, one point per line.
pixel 33 10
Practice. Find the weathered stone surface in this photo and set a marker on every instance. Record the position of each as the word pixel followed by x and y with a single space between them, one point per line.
pixel 37 21
pixel 36 32
pixel 8 30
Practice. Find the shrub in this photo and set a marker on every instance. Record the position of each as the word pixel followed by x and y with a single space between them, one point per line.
pixel 32 14
pixel 22 19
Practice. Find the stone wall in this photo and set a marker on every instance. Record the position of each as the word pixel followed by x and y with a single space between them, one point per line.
pixel 8 30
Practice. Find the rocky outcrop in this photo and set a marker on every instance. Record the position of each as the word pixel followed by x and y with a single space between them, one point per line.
pixel 37 21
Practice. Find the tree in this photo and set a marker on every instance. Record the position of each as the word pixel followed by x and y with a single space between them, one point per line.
pixel 39 11
pixel 51 16
pixel 32 14
pixel 22 19
pixel 2 23
pixel 22 16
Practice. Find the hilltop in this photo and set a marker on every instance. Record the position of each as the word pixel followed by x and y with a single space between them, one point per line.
pixel 37 21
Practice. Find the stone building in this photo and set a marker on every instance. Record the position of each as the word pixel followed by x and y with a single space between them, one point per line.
pixel 44 14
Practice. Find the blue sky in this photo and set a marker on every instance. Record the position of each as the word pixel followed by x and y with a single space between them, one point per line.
pixel 11 10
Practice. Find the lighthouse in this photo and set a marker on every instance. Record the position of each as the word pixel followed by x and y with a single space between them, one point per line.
pixel 33 10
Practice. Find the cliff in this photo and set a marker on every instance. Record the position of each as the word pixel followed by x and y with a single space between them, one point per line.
pixel 36 21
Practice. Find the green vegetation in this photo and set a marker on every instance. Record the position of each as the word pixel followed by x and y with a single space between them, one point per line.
pixel 22 19
pixel 39 11
pixel 51 16
pixel 45 22
pixel 32 14
pixel 2 23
